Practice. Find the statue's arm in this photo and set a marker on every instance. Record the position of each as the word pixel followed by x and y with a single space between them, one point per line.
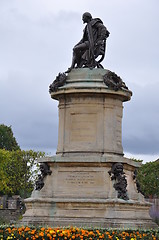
pixel 82 40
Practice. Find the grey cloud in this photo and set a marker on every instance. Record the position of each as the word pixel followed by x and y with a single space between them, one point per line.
pixel 140 121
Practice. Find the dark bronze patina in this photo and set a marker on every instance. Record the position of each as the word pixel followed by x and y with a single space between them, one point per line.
pixel 137 183
pixel 120 184
pixel 113 81
pixel 92 45
pixel 45 170
pixel 58 82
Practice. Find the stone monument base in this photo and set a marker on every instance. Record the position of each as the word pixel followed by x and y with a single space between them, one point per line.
pixel 89 182
pixel 88 213
pixel 80 192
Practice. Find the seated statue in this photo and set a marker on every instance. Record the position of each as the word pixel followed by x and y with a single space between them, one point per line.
pixel 92 44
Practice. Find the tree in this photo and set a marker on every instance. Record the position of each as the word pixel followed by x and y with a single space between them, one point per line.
pixel 148 177
pixel 7 140
pixel 18 172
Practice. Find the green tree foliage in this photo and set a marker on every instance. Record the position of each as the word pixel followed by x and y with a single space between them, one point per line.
pixel 148 177
pixel 7 140
pixel 18 170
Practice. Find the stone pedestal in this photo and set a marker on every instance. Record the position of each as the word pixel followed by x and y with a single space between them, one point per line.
pixel 85 187
pixel 90 115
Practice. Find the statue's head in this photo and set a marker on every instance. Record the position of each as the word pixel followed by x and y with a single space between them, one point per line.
pixel 117 168
pixel 86 17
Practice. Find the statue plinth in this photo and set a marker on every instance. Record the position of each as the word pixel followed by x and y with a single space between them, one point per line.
pixel 90 115
pixel 89 182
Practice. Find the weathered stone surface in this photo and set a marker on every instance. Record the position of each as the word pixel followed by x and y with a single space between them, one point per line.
pixel 80 190
pixel 12 204
pixel 90 114
pixel 82 194
pixel 9 216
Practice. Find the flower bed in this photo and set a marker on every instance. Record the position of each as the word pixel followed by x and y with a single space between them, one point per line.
pixel 73 233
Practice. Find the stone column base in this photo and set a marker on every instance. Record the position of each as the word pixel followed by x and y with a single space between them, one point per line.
pixel 81 193
pixel 114 213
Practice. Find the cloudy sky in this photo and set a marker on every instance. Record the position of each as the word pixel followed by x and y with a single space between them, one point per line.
pixel 36 41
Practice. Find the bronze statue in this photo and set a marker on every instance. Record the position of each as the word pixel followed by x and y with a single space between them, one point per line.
pixel 118 175
pixel 92 44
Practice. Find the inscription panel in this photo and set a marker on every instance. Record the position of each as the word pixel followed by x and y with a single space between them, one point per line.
pixel 80 179
pixel 81 183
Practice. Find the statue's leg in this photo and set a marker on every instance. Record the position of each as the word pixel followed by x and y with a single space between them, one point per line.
pixel 73 62
pixel 78 51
